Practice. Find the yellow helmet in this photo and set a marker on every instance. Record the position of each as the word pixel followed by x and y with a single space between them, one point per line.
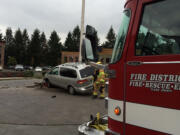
pixel 98 62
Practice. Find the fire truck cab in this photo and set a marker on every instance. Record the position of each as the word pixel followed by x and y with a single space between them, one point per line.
pixel 144 90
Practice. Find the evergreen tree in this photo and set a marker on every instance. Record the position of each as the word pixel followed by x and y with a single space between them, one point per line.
pixel 111 38
pixel 25 37
pixel 26 43
pixel 76 39
pixel 1 37
pixel 44 49
pixel 54 49
pixel 97 40
pixel 68 44
pixel 20 48
pixel 9 37
pixel 11 61
pixel 35 48
pixel 10 46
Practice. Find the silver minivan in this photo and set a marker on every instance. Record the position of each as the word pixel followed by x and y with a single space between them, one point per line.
pixel 75 77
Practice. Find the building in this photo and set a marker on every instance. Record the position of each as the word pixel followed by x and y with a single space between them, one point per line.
pixel 104 56
pixel 2 51
pixel 69 57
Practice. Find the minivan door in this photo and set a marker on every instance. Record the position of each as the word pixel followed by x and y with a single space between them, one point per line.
pixel 153 70
pixel 68 77
pixel 53 76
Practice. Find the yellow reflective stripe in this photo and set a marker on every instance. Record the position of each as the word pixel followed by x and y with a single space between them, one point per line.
pixel 95 93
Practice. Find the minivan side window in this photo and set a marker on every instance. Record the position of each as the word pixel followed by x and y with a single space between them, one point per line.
pixel 66 72
pixel 54 71
pixel 159 31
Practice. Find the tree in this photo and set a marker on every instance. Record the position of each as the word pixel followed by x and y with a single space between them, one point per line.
pixel 25 37
pixel 10 45
pixel 1 37
pixel 111 38
pixel 9 37
pixel 76 39
pixel 68 44
pixel 11 61
pixel 44 49
pixel 26 43
pixel 19 47
pixel 35 48
pixel 54 48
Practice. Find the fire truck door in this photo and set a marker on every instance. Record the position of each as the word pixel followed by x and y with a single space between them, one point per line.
pixel 153 70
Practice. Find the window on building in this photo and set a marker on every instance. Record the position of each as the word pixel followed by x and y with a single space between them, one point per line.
pixel 70 59
pixel 76 59
pixel 107 60
pixel 102 60
pixel 159 31
pixel 65 59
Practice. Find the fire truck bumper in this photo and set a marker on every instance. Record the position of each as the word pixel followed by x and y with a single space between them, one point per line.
pixel 86 129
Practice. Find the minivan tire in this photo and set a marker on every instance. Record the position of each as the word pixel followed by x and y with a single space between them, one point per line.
pixel 48 84
pixel 71 90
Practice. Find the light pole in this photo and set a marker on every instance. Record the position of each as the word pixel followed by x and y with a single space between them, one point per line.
pixel 82 29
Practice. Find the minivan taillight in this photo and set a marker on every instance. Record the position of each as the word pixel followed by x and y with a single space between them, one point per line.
pixel 82 81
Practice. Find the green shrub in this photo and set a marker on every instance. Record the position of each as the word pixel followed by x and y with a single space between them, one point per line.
pixel 28 74
pixel 38 75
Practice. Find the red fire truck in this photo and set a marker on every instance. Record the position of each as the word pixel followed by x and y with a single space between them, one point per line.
pixel 144 84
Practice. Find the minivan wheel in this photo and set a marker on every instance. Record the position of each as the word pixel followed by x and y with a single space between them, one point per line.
pixel 72 91
pixel 48 84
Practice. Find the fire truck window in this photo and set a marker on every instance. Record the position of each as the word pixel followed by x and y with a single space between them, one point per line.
pixel 159 31
pixel 120 40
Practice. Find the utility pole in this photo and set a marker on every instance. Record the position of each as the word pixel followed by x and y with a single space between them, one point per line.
pixel 82 29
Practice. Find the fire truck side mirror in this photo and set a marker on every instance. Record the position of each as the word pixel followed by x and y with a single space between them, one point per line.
pixel 90 31
pixel 87 51
pixel 91 34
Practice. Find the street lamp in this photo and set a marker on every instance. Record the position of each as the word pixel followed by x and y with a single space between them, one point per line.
pixel 82 29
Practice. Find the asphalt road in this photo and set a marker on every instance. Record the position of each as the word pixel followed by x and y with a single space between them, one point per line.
pixel 29 110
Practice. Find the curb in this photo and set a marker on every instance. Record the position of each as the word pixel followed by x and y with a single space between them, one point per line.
pixel 14 78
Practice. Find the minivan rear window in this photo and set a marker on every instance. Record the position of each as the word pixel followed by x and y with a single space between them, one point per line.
pixel 87 71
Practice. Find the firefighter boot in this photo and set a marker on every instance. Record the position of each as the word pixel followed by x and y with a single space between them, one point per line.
pixel 95 94
pixel 102 92
pixel 95 91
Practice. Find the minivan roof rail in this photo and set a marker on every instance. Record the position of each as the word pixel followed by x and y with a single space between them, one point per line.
pixel 73 64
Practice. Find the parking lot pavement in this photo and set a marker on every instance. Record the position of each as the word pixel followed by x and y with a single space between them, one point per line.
pixel 18 83
pixel 28 110
pixel 38 130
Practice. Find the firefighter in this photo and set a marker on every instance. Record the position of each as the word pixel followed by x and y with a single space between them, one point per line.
pixel 102 81
pixel 96 83
pixel 99 83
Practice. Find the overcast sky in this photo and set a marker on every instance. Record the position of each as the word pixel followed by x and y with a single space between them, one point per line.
pixel 60 15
